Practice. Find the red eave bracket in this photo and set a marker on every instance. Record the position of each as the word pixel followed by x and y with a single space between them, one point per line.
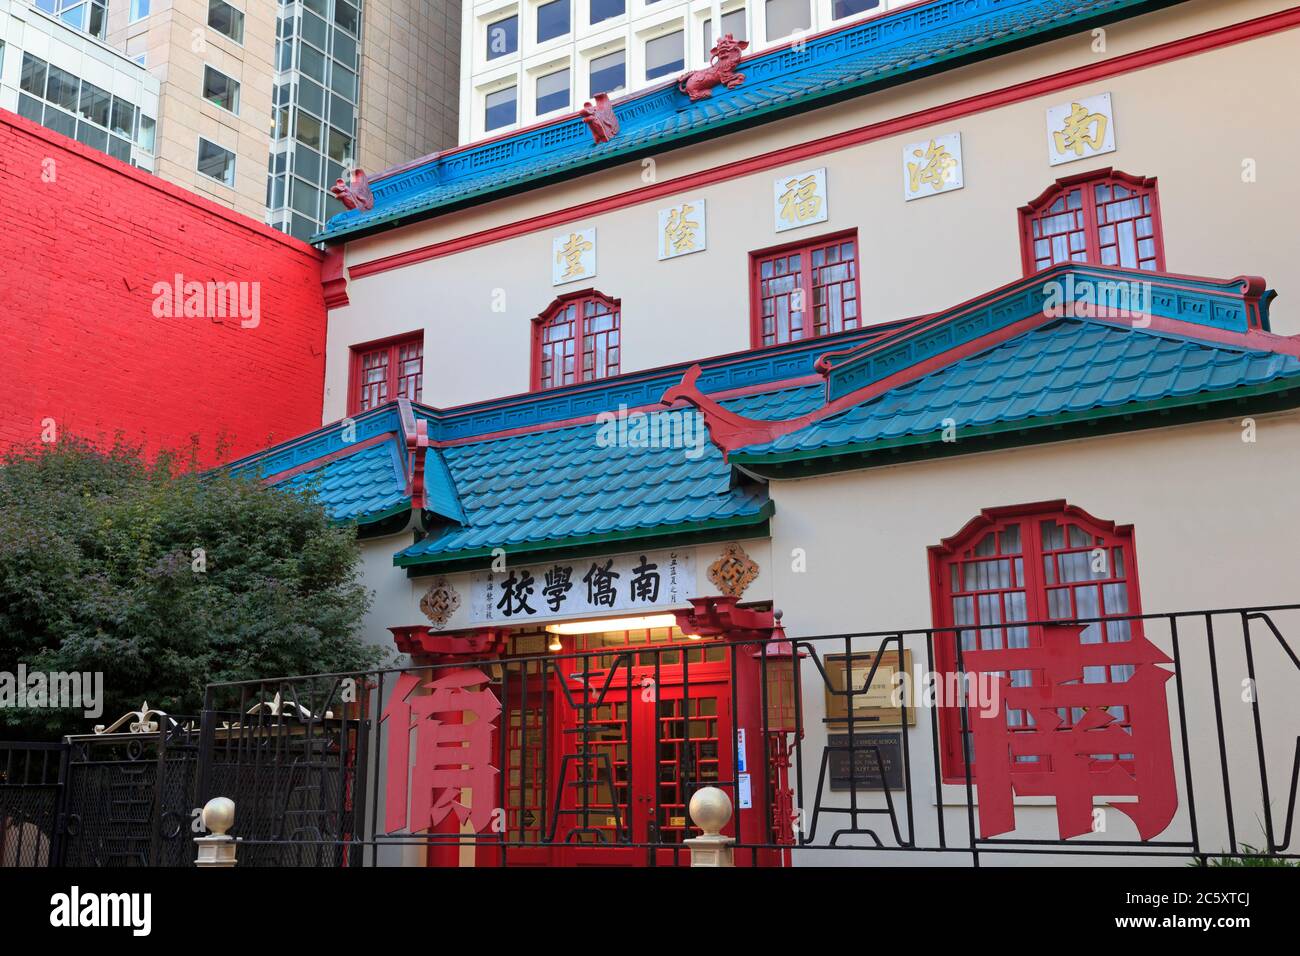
pixel 334 278
pixel 416 431
pixel 422 640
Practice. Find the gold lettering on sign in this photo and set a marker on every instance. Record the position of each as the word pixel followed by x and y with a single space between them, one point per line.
pixel 1082 129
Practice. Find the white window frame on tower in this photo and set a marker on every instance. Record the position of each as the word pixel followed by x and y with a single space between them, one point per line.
pixel 697 56
pixel 528 30
pixel 593 51
pixel 499 80
pixel 584 30
pixel 545 68
pixel 671 21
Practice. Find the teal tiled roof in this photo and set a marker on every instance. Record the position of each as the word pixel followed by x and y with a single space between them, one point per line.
pixel 359 487
pixel 535 473
pixel 1069 366
pixel 561 485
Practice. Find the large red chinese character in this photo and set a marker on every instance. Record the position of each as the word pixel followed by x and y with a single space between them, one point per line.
pixel 1113 741
pixel 451 755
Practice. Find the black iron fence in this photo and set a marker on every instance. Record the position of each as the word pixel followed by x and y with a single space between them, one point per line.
pixel 128 798
pixel 1159 736
pixel 291 754
pixel 1171 737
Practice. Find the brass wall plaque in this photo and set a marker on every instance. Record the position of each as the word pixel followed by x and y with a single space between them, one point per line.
pixel 873 704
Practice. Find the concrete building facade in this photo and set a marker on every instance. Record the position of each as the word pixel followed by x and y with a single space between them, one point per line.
pixel 213 60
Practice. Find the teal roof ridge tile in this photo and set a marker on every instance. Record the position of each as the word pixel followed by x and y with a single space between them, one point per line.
pixel 364 484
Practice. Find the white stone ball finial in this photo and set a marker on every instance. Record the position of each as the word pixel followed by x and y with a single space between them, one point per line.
pixel 710 808
pixel 219 815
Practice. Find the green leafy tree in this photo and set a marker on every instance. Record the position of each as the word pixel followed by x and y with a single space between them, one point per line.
pixel 165 580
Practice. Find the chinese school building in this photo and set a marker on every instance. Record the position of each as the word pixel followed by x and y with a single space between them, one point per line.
pixel 962 336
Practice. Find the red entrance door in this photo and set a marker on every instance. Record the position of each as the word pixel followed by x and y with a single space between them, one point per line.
pixel 604 776
pixel 625 803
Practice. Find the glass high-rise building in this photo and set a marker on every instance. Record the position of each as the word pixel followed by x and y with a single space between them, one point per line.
pixel 370 83
pixel 317 59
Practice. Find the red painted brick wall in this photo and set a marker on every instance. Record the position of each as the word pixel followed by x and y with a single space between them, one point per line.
pixel 84 240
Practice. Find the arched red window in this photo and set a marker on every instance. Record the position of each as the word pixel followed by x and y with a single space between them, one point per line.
pixel 1039 562
pixel 576 340
pixel 1105 218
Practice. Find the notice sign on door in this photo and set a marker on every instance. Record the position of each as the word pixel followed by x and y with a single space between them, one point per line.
pixel 636 583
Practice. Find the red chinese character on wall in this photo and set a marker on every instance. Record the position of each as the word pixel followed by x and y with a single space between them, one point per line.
pixel 453 722
pixel 1075 709
pixel 1072 738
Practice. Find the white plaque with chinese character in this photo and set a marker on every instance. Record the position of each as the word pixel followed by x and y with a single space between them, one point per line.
pixel 932 166
pixel 630 584
pixel 682 229
pixel 1080 129
pixel 800 199
pixel 573 256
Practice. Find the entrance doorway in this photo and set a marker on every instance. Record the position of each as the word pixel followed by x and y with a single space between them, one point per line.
pixel 605 743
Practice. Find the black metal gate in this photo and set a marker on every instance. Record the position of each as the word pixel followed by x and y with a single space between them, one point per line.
pixel 293 759
pixel 31 796
pixel 100 800
pixel 129 798
pixel 133 799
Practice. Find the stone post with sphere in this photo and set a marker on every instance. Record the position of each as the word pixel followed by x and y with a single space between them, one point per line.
pixel 710 808
pixel 218 847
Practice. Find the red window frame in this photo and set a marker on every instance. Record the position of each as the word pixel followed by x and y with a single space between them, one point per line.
pixel 1048 594
pixel 807 251
pixel 603 345
pixel 388 354
pixel 1095 223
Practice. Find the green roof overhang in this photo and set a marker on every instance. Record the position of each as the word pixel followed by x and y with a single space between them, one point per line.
pixel 749 525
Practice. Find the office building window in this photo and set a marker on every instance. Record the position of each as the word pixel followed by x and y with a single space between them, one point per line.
pixel 503 37
pixel 552 20
pixel 220 89
pixel 609 72
pixel 602 10
pixel 785 17
pixel 847 8
pixel 553 91
pixel 74 107
pixel 665 55
pixel 224 18
pixel 217 163
pixel 500 108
